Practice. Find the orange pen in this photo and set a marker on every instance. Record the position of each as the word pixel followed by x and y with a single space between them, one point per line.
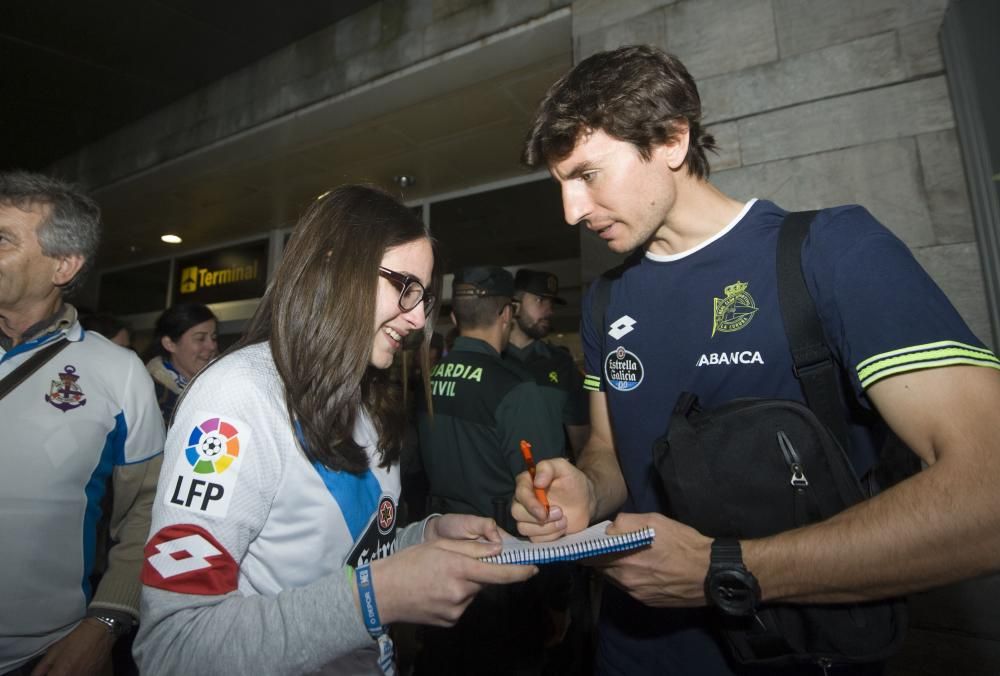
pixel 530 462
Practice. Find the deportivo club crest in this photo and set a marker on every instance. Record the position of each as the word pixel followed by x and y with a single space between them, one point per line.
pixel 65 393
pixel 734 311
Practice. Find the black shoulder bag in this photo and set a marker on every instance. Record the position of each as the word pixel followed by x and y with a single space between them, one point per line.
pixel 757 467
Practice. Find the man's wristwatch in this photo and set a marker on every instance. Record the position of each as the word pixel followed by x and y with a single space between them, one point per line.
pixel 115 626
pixel 729 586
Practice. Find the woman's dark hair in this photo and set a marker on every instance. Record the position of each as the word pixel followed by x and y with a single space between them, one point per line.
pixel 637 94
pixel 318 317
pixel 175 321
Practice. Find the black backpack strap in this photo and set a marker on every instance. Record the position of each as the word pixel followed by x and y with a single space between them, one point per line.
pixel 35 362
pixel 814 364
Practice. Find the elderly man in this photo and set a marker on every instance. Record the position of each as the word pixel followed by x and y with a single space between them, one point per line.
pixel 76 411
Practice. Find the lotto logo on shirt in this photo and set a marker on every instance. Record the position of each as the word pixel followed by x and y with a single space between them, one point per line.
pixel 205 473
pixel 187 559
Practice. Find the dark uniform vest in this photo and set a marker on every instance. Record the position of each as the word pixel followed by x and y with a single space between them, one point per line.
pixel 483 408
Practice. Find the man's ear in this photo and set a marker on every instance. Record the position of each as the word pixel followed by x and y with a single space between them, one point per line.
pixel 168 345
pixel 675 150
pixel 515 307
pixel 508 313
pixel 453 320
pixel 66 269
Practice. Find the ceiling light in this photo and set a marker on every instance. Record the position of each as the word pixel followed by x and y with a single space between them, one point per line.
pixel 171 239
pixel 404 180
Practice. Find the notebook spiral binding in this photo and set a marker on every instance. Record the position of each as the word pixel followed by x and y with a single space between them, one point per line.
pixel 550 553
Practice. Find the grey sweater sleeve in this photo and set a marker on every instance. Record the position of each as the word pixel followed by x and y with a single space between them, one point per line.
pixel 412 534
pixel 296 632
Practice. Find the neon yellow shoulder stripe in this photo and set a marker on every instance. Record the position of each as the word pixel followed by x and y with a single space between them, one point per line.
pixel 916 357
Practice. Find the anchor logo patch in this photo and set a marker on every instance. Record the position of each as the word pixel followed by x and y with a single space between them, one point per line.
pixel 65 393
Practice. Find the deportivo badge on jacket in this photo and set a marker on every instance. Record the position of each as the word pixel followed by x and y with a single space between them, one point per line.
pixel 65 393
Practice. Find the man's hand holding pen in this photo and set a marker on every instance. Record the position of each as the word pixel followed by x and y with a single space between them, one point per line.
pixel 529 461
pixel 570 498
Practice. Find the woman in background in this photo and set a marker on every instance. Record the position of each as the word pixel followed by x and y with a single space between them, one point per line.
pixel 185 342
pixel 274 546
pixel 108 326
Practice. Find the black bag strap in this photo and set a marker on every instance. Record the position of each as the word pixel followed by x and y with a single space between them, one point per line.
pixel 815 367
pixel 35 362
pixel 814 364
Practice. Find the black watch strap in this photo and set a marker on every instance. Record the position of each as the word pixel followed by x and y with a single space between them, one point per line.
pixel 729 586
pixel 727 551
pixel 115 622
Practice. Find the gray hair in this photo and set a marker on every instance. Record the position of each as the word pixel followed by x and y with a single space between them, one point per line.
pixel 73 224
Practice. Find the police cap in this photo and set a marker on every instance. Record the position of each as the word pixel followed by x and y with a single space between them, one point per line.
pixel 483 280
pixel 540 283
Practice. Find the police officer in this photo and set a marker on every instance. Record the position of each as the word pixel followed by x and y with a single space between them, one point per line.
pixel 551 366
pixel 483 406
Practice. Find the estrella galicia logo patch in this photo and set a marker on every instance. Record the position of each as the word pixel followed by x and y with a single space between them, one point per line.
pixel 622 370
pixel 378 540
pixel 65 393
pixel 734 311
pixel 386 516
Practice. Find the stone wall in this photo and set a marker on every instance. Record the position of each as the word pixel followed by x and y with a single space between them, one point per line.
pixel 386 37
pixel 817 103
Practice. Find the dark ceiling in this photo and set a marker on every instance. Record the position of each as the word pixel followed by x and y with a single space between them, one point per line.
pixel 72 72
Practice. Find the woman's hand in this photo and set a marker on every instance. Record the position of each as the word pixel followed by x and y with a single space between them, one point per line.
pixel 461 527
pixel 432 583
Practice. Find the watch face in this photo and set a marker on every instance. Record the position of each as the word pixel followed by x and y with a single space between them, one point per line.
pixel 734 591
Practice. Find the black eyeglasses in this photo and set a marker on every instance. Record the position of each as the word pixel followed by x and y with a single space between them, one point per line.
pixel 412 291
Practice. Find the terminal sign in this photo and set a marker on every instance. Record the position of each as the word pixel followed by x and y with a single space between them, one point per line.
pixel 194 278
pixel 233 273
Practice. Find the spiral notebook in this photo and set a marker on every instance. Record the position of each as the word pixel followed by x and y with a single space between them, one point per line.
pixel 593 541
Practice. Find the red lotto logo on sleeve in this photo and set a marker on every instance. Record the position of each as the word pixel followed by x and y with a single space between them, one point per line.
pixel 185 558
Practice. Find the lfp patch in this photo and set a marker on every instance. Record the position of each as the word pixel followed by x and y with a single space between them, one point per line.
pixel 622 370
pixel 205 473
